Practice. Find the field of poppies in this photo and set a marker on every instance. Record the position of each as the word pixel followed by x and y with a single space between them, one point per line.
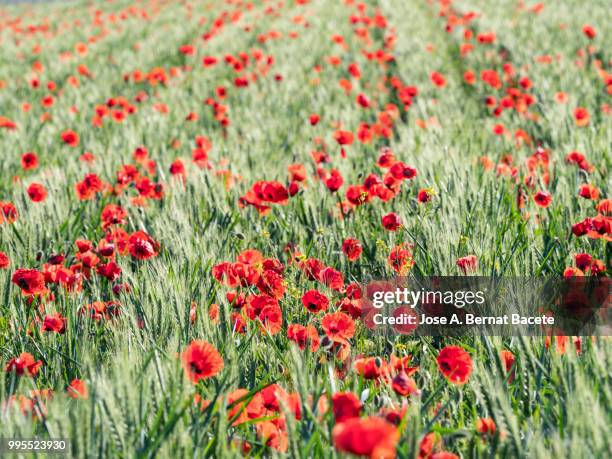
pixel 193 192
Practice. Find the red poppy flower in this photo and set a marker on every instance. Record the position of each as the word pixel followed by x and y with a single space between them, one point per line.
pixel 187 50
pixel 508 360
pixel 140 154
pixel 54 323
pixel 271 318
pixel 345 405
pixel 455 364
pixel 297 172
pixel 600 226
pixel 225 273
pixel 486 37
pixel 251 257
pixel 88 259
pixel 142 246
pixel 588 191
pixel 597 267
pixel 314 119
pixel 272 397
pixel 334 181
pixel 106 249
pixel 491 77
pixel 583 261
pixel 570 272
pixel 8 212
pixel 77 389
pixel 311 267
pixel 110 270
pixel 424 195
pixel 221 92
pixel 177 168
pixel 469 77
pixel 148 189
pixel 353 291
pixel 29 161
pixel 201 361
pixel 24 365
pixel 246 409
pixel 486 426
pixel 332 279
pixel 47 101
pixel 373 437
pixel 542 199
pixel 89 186
pixel 37 192
pixel 579 159
pixel 391 222
pixel 272 435
pixel 354 70
pixel 343 137
pixel 87 157
pixel 357 195
pixel 271 283
pixel 468 264
pixel 363 101
pixel 400 258
pixel 338 326
pixel 30 281
pixel 401 171
pixel 113 214
pixel 604 207
pixel 315 301
pixel 371 182
pixel 404 385
pixel 5 262
pixel 83 245
pixel 262 193
pixel 7 123
pixel 581 228
pixel 438 79
pixel 302 336
pixel 99 310
pixel 386 159
pixel 369 367
pixel 589 31
pixel 238 323
pixel 581 115
pixel 70 138
pixel 428 444
pixel 352 249
pixel 403 364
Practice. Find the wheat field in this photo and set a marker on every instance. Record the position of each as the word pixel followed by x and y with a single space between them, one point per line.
pixel 192 192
